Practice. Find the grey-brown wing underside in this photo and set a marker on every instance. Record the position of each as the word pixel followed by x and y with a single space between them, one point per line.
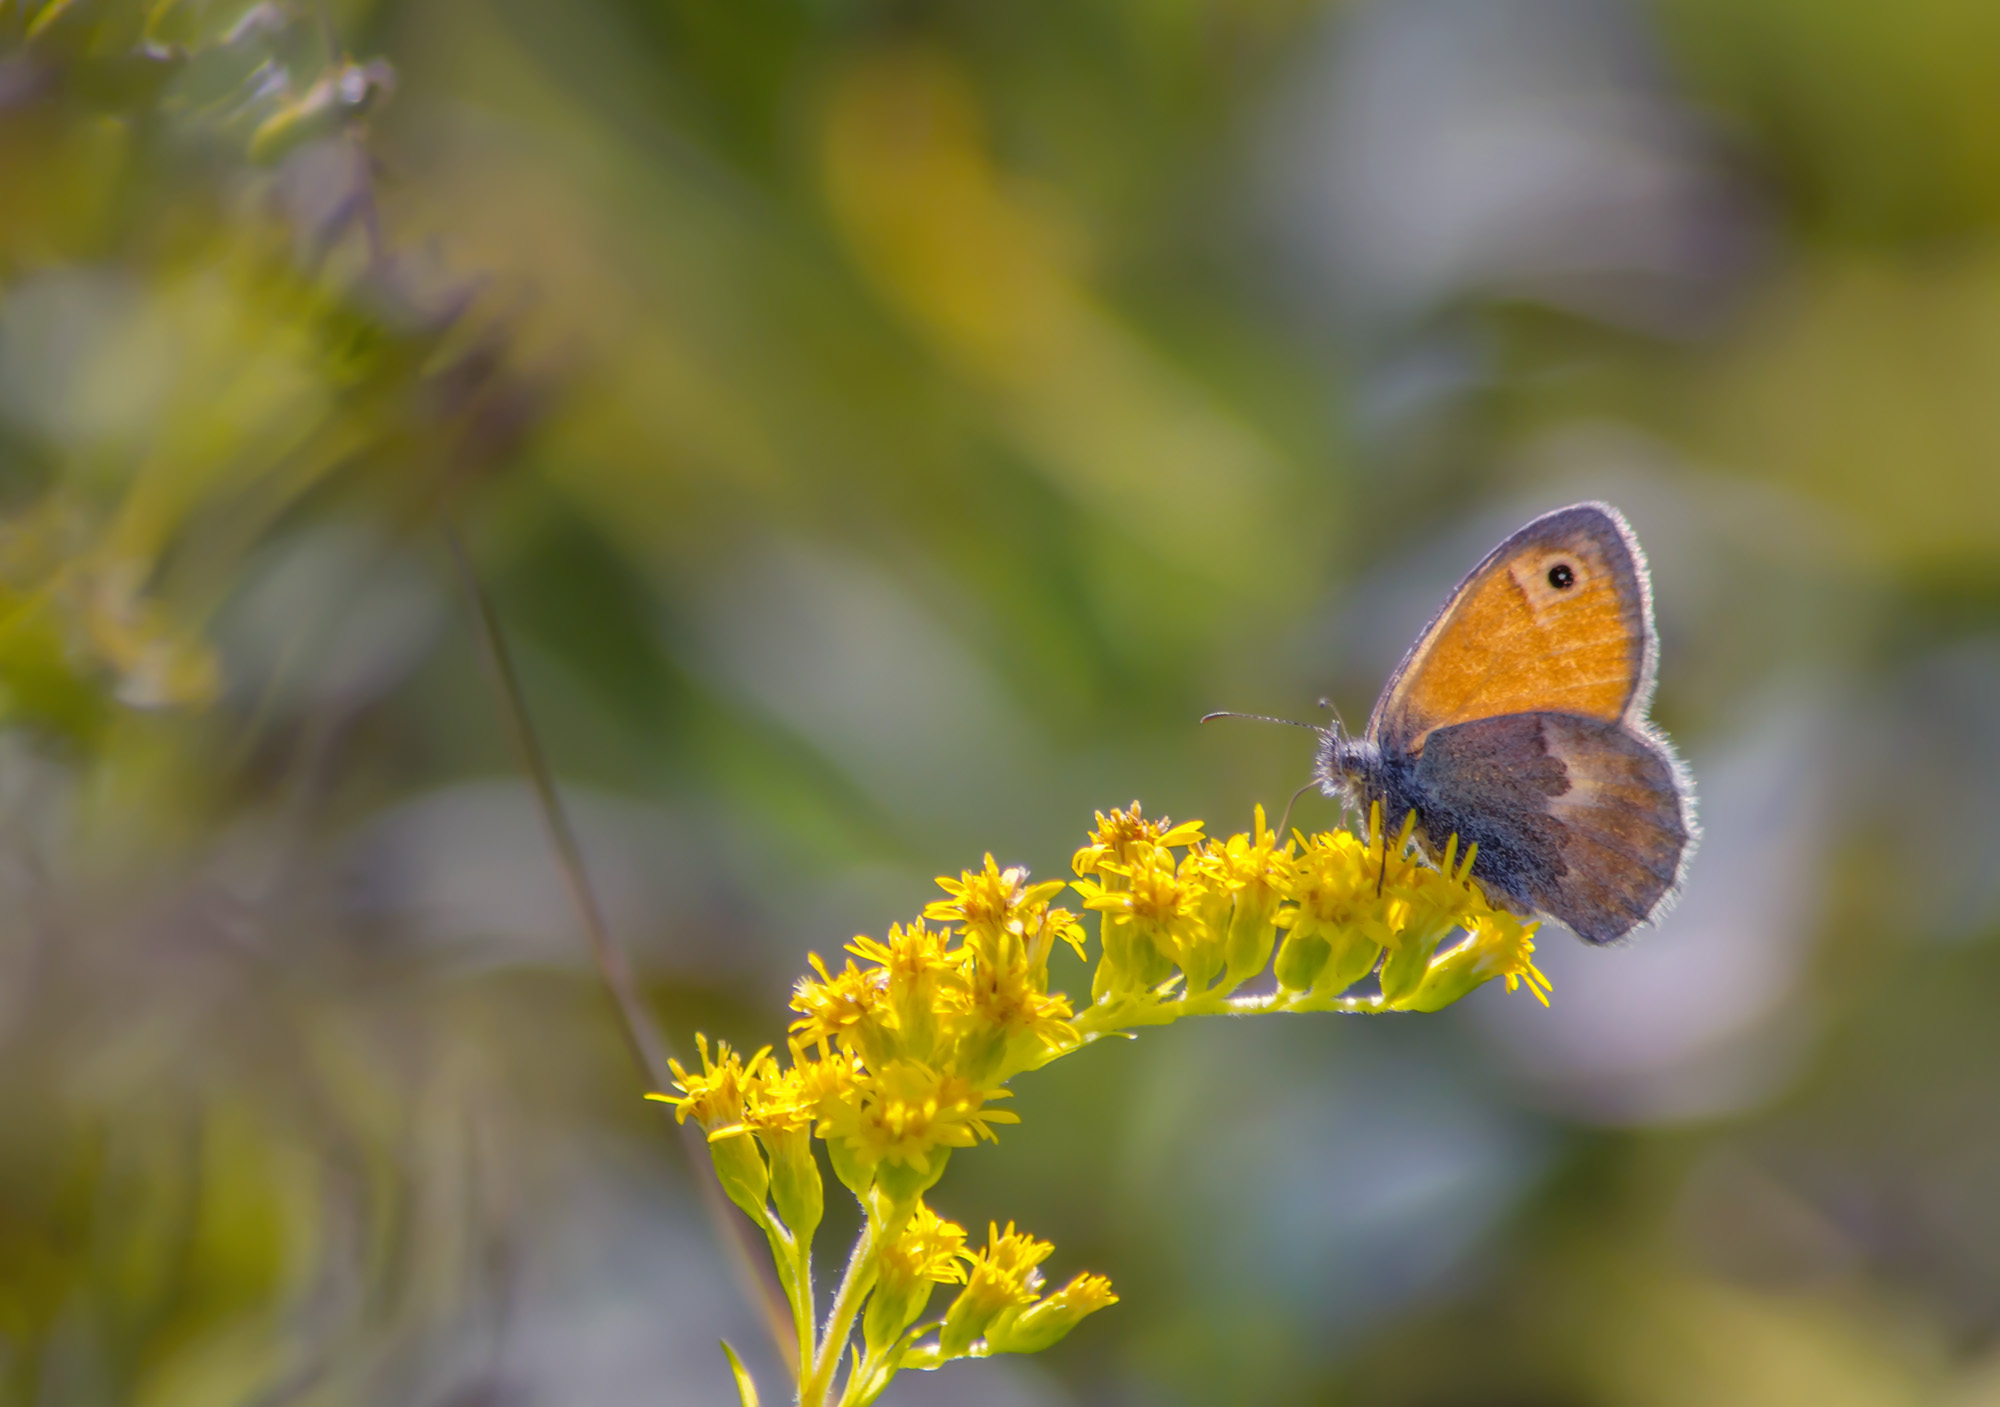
pixel 1580 818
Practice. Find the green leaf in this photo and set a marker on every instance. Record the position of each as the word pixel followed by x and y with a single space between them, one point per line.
pixel 745 1389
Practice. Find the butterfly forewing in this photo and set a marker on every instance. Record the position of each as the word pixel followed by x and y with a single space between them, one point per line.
pixel 1556 619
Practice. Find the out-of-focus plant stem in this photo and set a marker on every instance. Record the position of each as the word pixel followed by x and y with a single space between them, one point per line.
pixel 648 1043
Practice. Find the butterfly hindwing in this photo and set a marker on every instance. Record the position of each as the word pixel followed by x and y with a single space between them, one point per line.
pixel 1557 618
pixel 1580 818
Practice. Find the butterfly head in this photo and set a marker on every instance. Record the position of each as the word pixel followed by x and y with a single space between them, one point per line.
pixel 1347 768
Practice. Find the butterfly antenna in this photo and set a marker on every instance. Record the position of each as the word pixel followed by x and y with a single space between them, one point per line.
pixel 1285 821
pixel 1264 718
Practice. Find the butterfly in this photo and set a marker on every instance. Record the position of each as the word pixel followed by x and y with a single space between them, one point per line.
pixel 1517 721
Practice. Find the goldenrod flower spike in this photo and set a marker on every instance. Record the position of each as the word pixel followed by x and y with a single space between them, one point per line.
pixel 929 1252
pixel 717 1099
pixel 899 1059
pixel 992 903
pixel 1004 1279
pixel 1124 837
pixel 1044 1323
pixel 914 972
pixel 715 1096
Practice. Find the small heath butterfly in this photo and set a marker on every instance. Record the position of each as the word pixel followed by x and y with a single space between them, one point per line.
pixel 1517 721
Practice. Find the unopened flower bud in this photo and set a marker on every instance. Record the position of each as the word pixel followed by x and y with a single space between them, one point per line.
pixel 740 1168
pixel 1047 1320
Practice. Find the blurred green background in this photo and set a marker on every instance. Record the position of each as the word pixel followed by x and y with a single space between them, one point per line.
pixel 885 427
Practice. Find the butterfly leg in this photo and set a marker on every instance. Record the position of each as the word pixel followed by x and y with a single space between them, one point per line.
pixel 1285 821
pixel 1382 876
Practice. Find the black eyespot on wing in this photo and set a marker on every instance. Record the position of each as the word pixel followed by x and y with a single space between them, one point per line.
pixel 1562 576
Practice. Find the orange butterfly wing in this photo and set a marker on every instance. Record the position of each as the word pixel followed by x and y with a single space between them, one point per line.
pixel 1557 619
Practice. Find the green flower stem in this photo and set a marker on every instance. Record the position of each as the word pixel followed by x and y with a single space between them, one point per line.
pixel 1116 1017
pixel 869 1380
pixel 1282 1001
pixel 855 1283
pixel 802 1307
pixel 1122 1016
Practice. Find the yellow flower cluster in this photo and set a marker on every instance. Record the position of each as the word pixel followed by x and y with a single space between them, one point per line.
pixel 899 1057
pixel 1188 921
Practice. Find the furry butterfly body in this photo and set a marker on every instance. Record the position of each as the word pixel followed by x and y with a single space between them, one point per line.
pixel 1517 721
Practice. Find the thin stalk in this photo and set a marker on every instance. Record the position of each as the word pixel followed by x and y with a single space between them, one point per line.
pixel 840 1319
pixel 1117 1018
pixel 642 1034
pixel 803 1311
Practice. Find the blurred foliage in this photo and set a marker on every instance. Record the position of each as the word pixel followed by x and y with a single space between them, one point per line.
pixel 885 427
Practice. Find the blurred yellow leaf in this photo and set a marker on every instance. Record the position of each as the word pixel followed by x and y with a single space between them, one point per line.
pixel 981 274
pixel 1869 384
